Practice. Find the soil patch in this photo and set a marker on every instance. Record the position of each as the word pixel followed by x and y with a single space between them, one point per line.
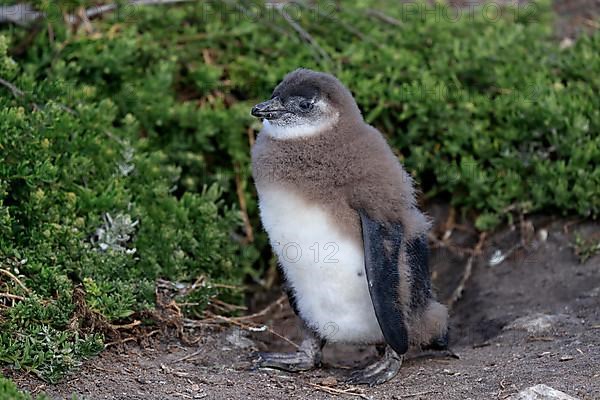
pixel 541 282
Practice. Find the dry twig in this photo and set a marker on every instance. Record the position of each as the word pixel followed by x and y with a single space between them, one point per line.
pixel 303 34
pixel 18 93
pixel 244 322
pixel 224 306
pixel 243 208
pixel 122 341
pixel 568 225
pixel 131 338
pixel 14 278
pixel 85 20
pixel 126 326
pixel 404 396
pixel 437 243
pixel 12 296
pixel 253 328
pixel 343 24
pixel 250 133
pixel 14 90
pixel 277 303
pixel 184 358
pixel 225 286
pixel 383 17
pixel 247 318
pixel 330 390
pixel 457 294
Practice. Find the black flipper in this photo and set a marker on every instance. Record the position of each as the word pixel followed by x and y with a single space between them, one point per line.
pixel 382 248
pixel 417 252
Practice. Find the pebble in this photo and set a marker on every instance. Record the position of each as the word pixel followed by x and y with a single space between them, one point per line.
pixel 238 339
pixel 541 392
pixel 537 324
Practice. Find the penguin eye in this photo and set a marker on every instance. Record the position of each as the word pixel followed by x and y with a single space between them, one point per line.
pixel 305 105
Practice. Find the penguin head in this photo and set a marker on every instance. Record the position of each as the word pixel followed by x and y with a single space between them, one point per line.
pixel 306 103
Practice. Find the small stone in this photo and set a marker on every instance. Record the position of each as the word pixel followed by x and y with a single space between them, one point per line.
pixel 537 324
pixel 238 339
pixel 566 358
pixel 329 381
pixel 566 43
pixel 593 293
pixel 448 372
pixel 496 259
pixel 541 392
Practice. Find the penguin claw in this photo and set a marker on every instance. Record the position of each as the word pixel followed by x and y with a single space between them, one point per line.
pixel 290 362
pixel 378 372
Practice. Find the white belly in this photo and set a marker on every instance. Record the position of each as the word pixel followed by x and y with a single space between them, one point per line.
pixel 325 269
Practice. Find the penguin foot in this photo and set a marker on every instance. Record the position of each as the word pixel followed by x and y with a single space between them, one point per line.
pixel 291 362
pixel 306 358
pixel 379 372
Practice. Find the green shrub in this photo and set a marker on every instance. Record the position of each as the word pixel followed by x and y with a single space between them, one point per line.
pixel 124 160
pixel 86 202
pixel 9 391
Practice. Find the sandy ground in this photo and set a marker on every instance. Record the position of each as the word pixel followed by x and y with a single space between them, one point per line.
pixel 495 362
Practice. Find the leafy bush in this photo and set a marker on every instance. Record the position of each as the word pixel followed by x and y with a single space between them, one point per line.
pixel 86 202
pixel 9 391
pixel 128 153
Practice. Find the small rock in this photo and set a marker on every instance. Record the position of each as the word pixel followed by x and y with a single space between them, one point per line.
pixel 242 365
pixel 566 358
pixel 329 381
pixel 537 324
pixel 541 392
pixel 593 293
pixel 497 258
pixel 238 339
pixel 448 372
pixel 566 43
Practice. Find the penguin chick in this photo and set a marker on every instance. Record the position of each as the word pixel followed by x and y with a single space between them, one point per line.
pixel 341 217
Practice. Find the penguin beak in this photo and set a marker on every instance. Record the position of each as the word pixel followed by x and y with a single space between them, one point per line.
pixel 270 109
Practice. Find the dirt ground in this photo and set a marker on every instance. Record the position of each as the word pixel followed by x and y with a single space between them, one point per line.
pixel 498 357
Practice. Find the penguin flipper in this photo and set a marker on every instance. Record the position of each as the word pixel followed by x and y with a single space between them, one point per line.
pixel 381 251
